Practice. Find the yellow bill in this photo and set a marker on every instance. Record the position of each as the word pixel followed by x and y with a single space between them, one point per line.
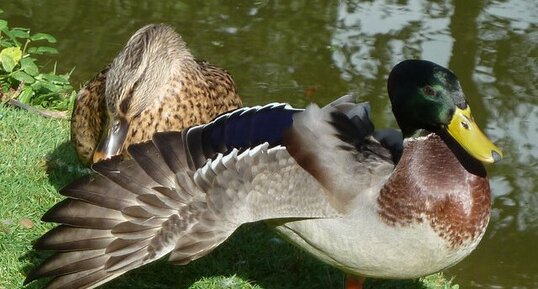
pixel 465 131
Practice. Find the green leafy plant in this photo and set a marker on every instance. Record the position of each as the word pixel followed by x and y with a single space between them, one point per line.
pixel 20 76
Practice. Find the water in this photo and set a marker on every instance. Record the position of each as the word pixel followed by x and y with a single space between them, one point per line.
pixel 313 51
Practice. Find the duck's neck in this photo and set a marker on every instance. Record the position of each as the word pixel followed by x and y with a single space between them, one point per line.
pixel 468 162
pixel 442 143
pixel 438 183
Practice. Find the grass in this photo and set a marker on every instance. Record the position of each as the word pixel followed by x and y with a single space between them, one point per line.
pixel 37 159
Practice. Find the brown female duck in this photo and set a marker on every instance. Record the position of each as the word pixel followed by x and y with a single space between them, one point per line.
pixel 154 84
pixel 318 176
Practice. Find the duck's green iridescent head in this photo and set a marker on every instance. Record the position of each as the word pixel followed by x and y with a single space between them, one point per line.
pixel 427 96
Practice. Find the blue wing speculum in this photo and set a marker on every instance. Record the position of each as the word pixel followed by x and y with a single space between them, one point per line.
pixel 240 129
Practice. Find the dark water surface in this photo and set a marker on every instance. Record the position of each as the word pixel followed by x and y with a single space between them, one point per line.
pixel 313 51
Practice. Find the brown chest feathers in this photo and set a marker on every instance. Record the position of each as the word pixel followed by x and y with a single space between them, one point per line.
pixel 441 186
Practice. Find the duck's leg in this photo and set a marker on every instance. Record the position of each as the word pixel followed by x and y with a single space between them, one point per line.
pixel 353 282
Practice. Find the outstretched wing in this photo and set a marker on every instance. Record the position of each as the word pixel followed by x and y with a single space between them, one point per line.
pixel 186 192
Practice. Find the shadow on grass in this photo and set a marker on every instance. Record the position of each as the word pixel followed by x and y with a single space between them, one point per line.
pixel 63 166
pixel 33 258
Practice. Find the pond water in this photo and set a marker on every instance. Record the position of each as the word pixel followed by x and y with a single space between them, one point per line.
pixel 314 51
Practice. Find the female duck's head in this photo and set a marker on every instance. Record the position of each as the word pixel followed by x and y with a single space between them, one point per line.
pixel 427 96
pixel 137 78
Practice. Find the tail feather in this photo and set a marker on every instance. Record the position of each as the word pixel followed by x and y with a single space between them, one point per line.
pixel 172 197
pixel 171 149
pixel 88 189
pixel 65 263
pixel 120 247
pixel 128 174
pixel 130 231
pixel 191 248
pixel 140 216
pixel 81 214
pixel 196 155
pixel 155 202
pixel 125 262
pixel 88 279
pixel 65 238
pixel 150 161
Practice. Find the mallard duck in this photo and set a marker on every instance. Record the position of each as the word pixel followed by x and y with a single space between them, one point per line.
pixel 318 176
pixel 154 84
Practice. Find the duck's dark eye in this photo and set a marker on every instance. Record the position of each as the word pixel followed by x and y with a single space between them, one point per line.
pixel 428 90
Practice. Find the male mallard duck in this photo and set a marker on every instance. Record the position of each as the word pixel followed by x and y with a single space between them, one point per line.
pixel 316 175
pixel 153 85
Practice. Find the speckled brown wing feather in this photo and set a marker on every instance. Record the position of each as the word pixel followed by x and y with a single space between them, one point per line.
pixel 222 91
pixel 89 117
pixel 195 96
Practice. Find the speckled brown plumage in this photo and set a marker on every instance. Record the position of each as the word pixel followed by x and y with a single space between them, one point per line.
pixel 430 184
pixel 155 85
pixel 204 92
pixel 89 116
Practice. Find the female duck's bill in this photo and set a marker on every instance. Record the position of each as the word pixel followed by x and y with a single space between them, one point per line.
pixel 113 139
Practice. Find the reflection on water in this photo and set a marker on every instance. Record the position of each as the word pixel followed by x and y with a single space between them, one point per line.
pixel 302 51
pixel 371 29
